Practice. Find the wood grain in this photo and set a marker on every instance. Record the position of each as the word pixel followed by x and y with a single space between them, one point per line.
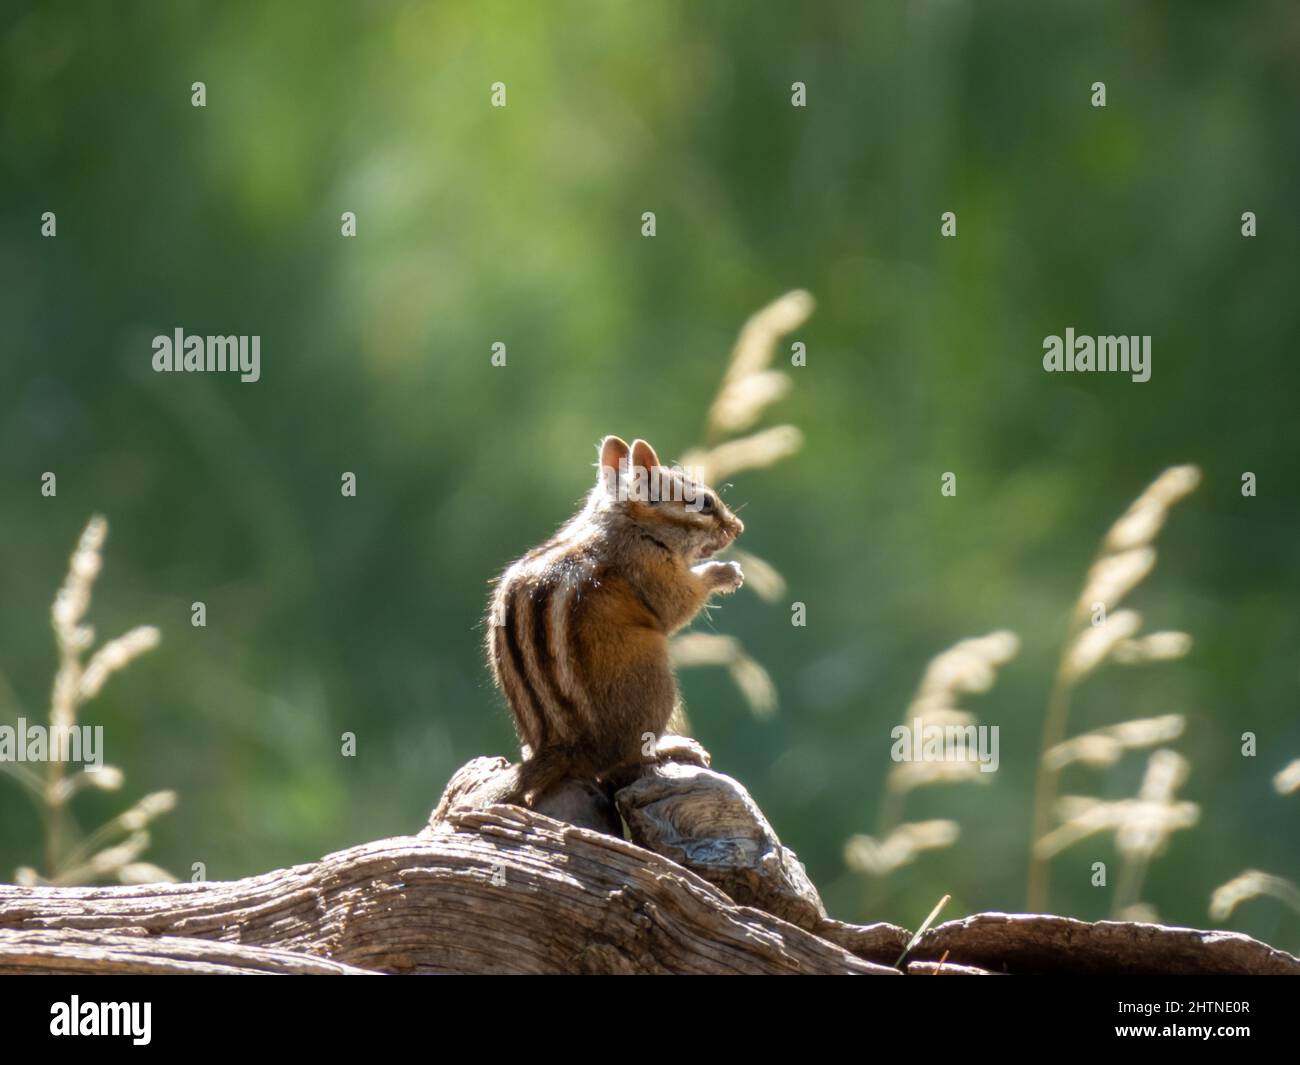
pixel 702 886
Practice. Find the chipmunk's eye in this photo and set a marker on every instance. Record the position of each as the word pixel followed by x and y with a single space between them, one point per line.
pixel 707 504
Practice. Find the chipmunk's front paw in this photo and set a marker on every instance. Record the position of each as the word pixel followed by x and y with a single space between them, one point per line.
pixel 721 576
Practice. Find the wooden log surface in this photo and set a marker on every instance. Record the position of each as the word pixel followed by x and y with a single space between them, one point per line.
pixel 702 886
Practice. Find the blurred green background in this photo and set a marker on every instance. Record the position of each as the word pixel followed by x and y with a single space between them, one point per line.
pixel 522 225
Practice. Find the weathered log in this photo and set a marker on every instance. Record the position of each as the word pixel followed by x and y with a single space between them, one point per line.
pixel 497 890
pixel 68 950
pixel 702 886
pixel 708 823
pixel 1042 943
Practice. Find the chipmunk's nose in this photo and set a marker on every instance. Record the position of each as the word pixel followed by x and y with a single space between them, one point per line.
pixel 738 525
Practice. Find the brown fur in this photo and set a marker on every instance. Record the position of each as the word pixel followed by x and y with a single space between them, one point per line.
pixel 578 628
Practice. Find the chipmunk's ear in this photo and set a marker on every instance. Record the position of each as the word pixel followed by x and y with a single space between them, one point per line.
pixel 644 455
pixel 613 454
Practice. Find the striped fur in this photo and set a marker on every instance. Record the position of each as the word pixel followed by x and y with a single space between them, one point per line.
pixel 578 628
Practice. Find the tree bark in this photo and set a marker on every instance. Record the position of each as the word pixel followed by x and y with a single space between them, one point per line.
pixel 703 886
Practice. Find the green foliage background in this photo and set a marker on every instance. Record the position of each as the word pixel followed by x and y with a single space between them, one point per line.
pixel 522 225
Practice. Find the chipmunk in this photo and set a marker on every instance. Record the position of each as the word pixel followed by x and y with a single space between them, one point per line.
pixel 578 628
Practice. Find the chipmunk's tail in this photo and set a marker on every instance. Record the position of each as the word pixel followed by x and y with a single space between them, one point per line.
pixel 543 770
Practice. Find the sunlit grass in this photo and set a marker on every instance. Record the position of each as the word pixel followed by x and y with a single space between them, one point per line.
pixel 749 386
pixel 112 851
pixel 1100 631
